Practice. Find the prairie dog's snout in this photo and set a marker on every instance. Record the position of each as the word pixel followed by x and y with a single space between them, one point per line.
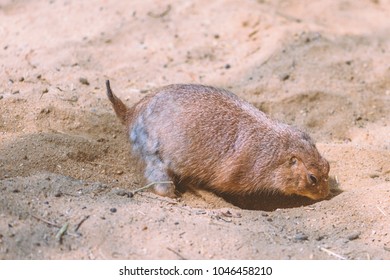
pixel 210 136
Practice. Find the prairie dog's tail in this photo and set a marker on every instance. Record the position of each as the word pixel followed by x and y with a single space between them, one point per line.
pixel 121 110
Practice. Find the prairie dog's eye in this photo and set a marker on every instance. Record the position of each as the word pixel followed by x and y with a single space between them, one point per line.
pixel 313 179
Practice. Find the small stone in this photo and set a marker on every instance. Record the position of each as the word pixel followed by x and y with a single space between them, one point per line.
pixel 228 66
pixel 84 81
pixel 58 194
pixel 121 193
pixel 113 210
pixel 45 111
pixel 119 172
pixel 301 236
pixel 73 99
pixel 320 237
pixel 284 77
pixel 353 236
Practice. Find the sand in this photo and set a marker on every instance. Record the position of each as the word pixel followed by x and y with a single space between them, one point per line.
pixel 323 66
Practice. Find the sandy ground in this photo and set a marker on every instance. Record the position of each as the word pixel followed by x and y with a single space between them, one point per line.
pixel 321 65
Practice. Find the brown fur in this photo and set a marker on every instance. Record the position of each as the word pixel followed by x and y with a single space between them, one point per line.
pixel 211 137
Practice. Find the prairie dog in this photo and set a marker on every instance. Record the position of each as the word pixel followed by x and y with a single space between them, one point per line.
pixel 210 136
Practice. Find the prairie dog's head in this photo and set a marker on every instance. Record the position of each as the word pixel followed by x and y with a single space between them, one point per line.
pixel 303 171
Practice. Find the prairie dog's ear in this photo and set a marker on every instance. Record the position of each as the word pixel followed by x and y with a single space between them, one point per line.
pixel 293 160
pixel 297 165
pixel 312 179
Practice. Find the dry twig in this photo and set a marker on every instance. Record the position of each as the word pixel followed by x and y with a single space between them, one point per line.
pixel 381 210
pixel 76 228
pixel 329 252
pixel 163 14
pixel 176 253
pixel 61 232
pixel 45 221
pixel 150 185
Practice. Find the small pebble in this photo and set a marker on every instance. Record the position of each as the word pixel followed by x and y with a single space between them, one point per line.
pixel 73 99
pixel 58 194
pixel 121 193
pixel 113 210
pixel 228 66
pixel 45 111
pixel 284 77
pixel 301 236
pixel 353 236
pixel 84 81
pixel 124 193
pixel 320 237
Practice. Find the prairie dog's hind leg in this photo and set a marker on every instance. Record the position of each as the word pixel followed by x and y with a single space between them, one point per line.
pixel 146 146
pixel 156 172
